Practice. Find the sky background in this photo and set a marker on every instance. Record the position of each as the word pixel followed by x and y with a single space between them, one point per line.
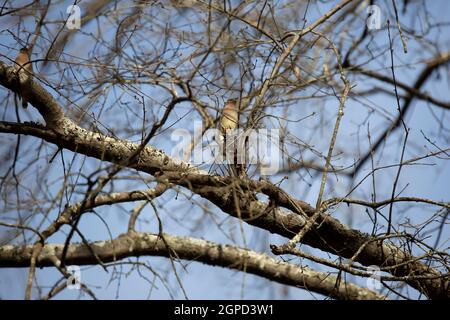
pixel 182 217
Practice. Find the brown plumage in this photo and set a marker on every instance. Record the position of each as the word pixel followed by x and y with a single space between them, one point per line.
pixel 229 121
pixel 25 71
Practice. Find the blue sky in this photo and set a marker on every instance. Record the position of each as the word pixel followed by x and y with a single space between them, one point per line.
pixel 182 215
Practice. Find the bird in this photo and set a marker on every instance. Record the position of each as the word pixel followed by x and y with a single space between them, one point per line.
pixel 229 120
pixel 24 68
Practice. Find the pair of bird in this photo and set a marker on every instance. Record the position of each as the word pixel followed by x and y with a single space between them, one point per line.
pixel 24 68
pixel 228 121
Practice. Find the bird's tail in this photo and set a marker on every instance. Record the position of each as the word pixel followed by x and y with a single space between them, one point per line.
pixel 20 94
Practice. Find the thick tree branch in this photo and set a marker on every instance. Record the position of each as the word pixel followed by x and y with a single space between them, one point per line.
pixel 145 244
pixel 328 233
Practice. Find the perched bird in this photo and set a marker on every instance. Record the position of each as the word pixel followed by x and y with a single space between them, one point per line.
pixel 24 69
pixel 229 118
pixel 229 121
